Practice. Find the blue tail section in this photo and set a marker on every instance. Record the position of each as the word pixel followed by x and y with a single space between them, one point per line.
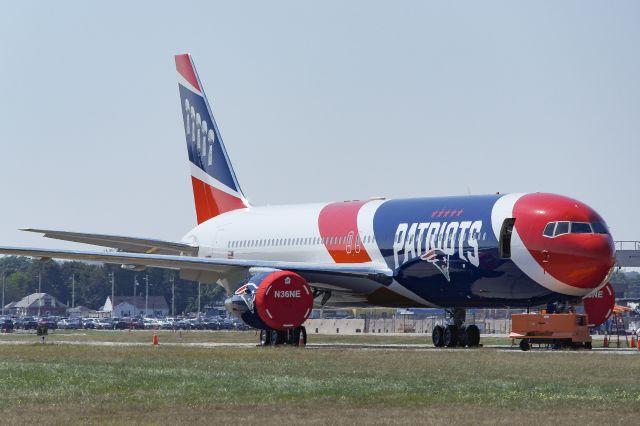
pixel 215 186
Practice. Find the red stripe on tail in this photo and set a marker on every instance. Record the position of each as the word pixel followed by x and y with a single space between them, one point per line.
pixel 185 68
pixel 211 202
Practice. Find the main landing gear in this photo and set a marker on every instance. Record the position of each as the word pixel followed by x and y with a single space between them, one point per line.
pixel 456 333
pixel 292 337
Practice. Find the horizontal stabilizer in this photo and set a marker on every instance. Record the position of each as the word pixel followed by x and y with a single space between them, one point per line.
pixel 128 244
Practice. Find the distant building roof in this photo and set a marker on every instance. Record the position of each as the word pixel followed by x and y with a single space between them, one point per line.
pixel 153 302
pixel 80 310
pixel 39 299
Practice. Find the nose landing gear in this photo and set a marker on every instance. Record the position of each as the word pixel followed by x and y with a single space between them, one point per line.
pixel 456 333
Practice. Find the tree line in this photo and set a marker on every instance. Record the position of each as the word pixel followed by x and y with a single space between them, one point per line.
pixel 93 283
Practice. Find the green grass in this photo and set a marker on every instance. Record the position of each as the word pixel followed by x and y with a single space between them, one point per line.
pixel 177 384
pixel 165 336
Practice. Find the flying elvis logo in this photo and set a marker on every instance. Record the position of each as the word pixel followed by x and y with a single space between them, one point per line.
pixel 248 293
pixel 436 242
pixel 201 135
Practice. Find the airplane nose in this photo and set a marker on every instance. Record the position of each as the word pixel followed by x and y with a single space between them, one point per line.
pixel 566 244
pixel 583 260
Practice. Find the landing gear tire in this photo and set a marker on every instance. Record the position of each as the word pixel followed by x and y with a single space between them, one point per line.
pixel 265 337
pixel 277 337
pixel 524 345
pixel 587 345
pixel 463 337
pixel 451 336
pixel 293 336
pixel 437 335
pixel 473 335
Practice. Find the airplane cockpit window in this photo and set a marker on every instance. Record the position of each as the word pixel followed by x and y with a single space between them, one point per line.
pixel 581 228
pixel 599 228
pixel 548 230
pixel 555 229
pixel 561 228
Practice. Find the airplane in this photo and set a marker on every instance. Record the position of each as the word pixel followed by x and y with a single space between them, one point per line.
pixel 277 263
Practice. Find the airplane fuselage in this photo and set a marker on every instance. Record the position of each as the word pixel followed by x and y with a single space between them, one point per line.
pixel 444 251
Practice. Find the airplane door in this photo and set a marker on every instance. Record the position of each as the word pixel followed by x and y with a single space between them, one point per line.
pixel 505 238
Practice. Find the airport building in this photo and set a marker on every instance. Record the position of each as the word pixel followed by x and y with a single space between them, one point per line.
pixel 37 303
pixel 127 306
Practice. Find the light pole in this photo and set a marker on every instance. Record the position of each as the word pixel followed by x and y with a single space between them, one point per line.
pixel 4 277
pixel 135 284
pixel 146 295
pixel 173 295
pixel 199 299
pixel 73 290
pixel 113 286
pixel 39 292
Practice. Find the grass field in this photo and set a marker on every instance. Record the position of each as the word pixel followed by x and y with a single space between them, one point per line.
pixel 145 336
pixel 62 384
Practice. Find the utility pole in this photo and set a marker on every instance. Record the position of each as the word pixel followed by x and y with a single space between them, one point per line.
pixel 73 290
pixel 135 285
pixel 4 277
pixel 146 297
pixel 39 291
pixel 113 286
pixel 173 295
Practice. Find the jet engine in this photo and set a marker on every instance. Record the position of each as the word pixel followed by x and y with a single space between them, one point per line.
pixel 277 300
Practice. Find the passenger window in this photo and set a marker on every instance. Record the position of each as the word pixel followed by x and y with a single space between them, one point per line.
pixel 548 230
pixel 580 228
pixel 562 228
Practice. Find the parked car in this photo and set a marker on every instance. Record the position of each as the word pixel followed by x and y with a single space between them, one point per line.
pixel 26 323
pixel 88 323
pixel 6 325
pixel 104 324
pixel 50 322
pixel 70 323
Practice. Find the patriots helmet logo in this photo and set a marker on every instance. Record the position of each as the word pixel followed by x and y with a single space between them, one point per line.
pixel 248 293
pixel 439 259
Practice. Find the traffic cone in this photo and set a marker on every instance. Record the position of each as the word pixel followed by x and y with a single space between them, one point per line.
pixel 301 340
pixel 638 345
pixel 605 343
pixel 155 339
pixel 633 341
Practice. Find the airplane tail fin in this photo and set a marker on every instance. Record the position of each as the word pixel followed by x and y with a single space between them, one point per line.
pixel 215 186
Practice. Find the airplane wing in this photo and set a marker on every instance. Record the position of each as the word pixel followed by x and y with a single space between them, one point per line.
pixel 128 244
pixel 213 269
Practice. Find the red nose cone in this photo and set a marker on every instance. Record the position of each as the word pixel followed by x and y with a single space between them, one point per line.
pixel 581 260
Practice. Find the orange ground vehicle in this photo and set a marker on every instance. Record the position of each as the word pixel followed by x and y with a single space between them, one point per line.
pixel 559 330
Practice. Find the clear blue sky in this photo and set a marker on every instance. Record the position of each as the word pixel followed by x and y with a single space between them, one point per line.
pixel 316 102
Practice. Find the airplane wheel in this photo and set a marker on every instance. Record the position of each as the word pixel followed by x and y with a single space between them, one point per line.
pixel 587 345
pixel 473 335
pixel 265 337
pixel 463 337
pixel 437 335
pixel 294 336
pixel 524 345
pixel 303 330
pixel 277 337
pixel 451 336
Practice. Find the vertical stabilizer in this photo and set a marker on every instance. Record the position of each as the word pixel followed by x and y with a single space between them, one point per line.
pixel 215 187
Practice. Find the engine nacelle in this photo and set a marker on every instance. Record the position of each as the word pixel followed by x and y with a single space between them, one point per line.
pixel 276 300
